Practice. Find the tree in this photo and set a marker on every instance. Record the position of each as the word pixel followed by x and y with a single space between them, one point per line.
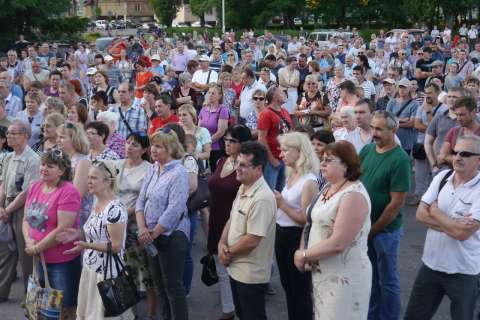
pixel 165 10
pixel 200 7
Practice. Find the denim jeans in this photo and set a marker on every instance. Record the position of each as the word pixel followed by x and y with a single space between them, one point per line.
pixel 385 297
pixel 188 273
pixel 275 176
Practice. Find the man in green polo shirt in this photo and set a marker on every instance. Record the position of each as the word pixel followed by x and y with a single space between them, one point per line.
pixel 386 172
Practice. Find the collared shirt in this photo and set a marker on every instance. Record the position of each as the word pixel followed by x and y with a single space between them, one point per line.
pixel 163 198
pixel 253 212
pixel 114 76
pixel 19 171
pixel 35 123
pixel 135 116
pixel 247 104
pixel 179 62
pixel 13 105
pixel 442 252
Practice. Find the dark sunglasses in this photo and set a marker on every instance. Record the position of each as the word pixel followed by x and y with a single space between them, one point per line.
pixel 464 154
pixel 97 163
pixel 258 98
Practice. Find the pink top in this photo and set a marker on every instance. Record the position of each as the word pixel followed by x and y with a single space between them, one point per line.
pixel 41 210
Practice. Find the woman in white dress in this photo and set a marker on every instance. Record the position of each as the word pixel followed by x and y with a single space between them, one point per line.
pixel 334 246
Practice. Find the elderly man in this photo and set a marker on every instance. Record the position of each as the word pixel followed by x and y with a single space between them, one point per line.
pixel 451 256
pixel 35 74
pixel 202 78
pixel 13 105
pixel 113 73
pixel 20 168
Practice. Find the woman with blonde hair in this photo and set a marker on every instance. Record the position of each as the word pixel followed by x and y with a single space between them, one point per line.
pixel 301 187
pixel 48 140
pixel 314 109
pixel 54 105
pixel 188 120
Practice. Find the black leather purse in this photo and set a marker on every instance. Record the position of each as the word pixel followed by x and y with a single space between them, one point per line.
pixel 209 270
pixel 120 293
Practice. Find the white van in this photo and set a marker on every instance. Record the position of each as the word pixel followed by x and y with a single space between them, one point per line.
pixel 322 37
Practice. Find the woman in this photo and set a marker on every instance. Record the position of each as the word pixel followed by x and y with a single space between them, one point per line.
pixel 53 203
pixel 258 98
pixel 347 119
pixel 97 133
pixel 362 61
pixel 150 95
pixel 183 93
pixel 314 69
pixel 214 117
pixel 335 248
pixel 162 218
pixel 320 139
pixel 52 64
pixel 101 84
pixel 237 83
pixel 231 61
pixel 78 113
pixel 289 79
pixel 124 65
pixel 188 119
pixel 54 105
pixel 49 139
pixel 32 115
pixel 301 187
pixel 229 96
pixel 142 78
pixel 73 141
pixel 131 172
pixel 223 186
pixel 115 141
pixel 98 103
pixel 314 109
pixel 105 226
pixel 333 90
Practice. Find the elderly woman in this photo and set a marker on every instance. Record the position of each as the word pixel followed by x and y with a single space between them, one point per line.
pixel 106 226
pixel 115 141
pixel 258 98
pixel 162 219
pixel 214 117
pixel 49 138
pixel 223 186
pixel 333 90
pixel 300 189
pixel 33 116
pixel 97 133
pixel 53 203
pixel 183 93
pixel 54 105
pixel 347 120
pixel 334 245
pixel 314 109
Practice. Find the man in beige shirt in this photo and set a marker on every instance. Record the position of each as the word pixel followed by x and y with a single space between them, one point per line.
pixel 20 168
pixel 247 242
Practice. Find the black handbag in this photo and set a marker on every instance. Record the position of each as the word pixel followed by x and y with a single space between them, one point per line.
pixel 199 199
pixel 120 293
pixel 209 271
pixel 418 151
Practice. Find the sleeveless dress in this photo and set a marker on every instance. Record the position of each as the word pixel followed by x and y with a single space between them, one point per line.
pixel 87 199
pixel 341 283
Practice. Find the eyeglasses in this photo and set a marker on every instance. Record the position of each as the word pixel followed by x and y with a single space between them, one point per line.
pixel 311 83
pixel 244 166
pixel 97 164
pixel 258 98
pixel 328 160
pixel 231 140
pixel 14 133
pixel 465 154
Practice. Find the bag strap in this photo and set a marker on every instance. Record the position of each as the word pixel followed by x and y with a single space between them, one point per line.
pixel 208 77
pixel 436 109
pixel 281 117
pixel 45 273
pixel 403 108
pixel 124 120
pixel 109 261
pixel 308 225
pixel 444 180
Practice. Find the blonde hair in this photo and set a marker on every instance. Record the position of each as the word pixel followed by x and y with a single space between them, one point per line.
pixel 307 161
pixel 188 108
pixel 56 119
pixel 109 172
pixel 56 104
pixel 169 141
pixel 77 134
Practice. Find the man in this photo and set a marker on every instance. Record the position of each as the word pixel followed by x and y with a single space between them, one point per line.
pixel 250 85
pixel 466 66
pixel 32 55
pixel 44 54
pixel 20 168
pixel 438 128
pixel 163 109
pixel 437 71
pixel 386 176
pixel 349 59
pixel 14 66
pixel 476 52
pixel 472 85
pixel 272 122
pixel 113 73
pixel 216 59
pixel 389 88
pixel 5 121
pixel 423 67
pixel 202 78
pixel 16 90
pixel 55 78
pixel 302 67
pixel 66 93
pixel 472 36
pixel 256 52
pixel 247 241
pixel 466 114
pixel 340 54
pixel 179 59
pixel 35 74
pixel 13 104
pixel 451 210
pixel 404 108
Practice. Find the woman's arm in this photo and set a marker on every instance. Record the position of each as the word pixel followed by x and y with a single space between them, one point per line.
pixel 205 154
pixel 80 178
pixel 309 190
pixel 221 129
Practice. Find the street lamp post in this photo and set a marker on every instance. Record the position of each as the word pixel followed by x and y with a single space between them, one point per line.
pixel 223 16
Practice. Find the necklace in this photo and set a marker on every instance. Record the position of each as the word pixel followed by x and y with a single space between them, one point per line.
pixel 231 165
pixel 325 198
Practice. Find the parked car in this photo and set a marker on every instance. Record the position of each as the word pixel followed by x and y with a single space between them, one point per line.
pixel 101 24
pixel 297 21
pixel 397 32
pixel 323 36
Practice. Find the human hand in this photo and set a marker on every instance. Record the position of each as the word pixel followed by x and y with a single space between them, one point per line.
pixel 299 260
pixel 144 236
pixel 68 235
pixel 224 254
pixel 279 198
pixel 79 246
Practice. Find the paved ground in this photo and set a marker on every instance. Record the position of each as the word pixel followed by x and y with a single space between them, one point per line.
pixel 204 303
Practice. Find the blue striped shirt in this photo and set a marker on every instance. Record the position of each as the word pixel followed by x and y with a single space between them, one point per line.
pixel 135 116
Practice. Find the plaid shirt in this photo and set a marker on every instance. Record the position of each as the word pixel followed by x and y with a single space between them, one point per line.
pixel 135 116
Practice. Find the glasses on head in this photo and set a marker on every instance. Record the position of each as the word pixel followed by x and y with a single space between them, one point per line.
pixel 265 69
pixel 231 140
pixel 258 98
pixel 465 154
pixel 165 130
pixel 69 125
pixel 97 164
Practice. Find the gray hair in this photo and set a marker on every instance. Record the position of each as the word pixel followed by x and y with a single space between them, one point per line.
pixel 109 117
pixel 184 77
pixel 391 120
pixel 6 83
pixel 473 140
pixel 23 126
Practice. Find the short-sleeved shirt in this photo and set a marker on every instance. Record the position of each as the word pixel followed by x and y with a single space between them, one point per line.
pixel 274 125
pixel 203 137
pixel 383 173
pixel 253 212
pixel 142 79
pixel 19 171
pixel 439 127
pixel 408 136
pixel 455 133
pixel 442 252
pixel 158 122
pixel 423 65
pixel 423 117
pixel 135 116
pixel 209 119
pixel 41 210
pixel 35 124
pixel 95 230
pixel 203 77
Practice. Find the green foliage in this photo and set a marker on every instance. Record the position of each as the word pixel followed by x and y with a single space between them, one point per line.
pixel 65 28
pixel 92 36
pixel 200 7
pixel 165 10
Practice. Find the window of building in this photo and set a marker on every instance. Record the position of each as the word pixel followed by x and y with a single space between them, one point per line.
pixel 137 7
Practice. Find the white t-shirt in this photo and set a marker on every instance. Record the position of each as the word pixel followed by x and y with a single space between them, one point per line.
pixel 293 197
pixel 442 252
pixel 355 138
pixel 201 76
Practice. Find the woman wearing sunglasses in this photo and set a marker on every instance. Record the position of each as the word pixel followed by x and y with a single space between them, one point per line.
pixel 48 140
pixel 258 98
pixel 53 203
pixel 314 109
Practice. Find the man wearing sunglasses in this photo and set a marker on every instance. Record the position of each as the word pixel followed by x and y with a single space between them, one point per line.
pixel 451 256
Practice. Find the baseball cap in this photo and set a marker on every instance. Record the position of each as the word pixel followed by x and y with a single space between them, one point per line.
pixel 108 58
pixel 437 63
pixel 389 80
pixel 155 57
pixel 91 71
pixel 203 58
pixel 404 83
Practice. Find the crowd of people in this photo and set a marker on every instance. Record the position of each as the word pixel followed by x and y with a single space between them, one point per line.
pixel 308 154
